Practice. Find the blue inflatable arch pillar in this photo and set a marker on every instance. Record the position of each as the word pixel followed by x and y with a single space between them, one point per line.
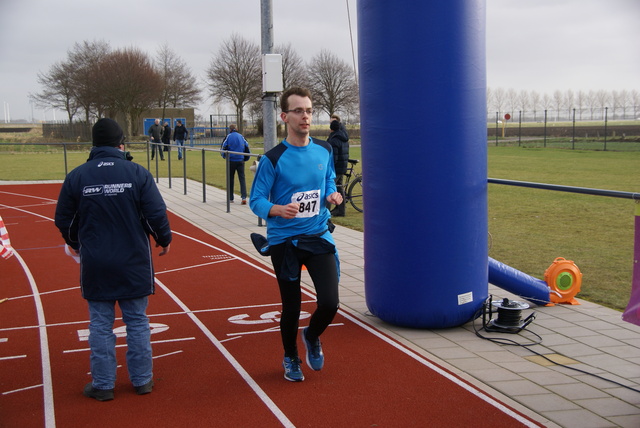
pixel 424 138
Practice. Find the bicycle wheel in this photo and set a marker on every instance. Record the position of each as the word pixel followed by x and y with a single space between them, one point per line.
pixel 354 194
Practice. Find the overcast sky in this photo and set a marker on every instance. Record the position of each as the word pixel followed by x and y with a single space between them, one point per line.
pixel 540 45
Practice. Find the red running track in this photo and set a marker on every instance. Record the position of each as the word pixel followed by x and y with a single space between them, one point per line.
pixel 216 344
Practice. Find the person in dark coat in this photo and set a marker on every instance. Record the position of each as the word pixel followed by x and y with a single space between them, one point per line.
pixel 107 210
pixel 339 140
pixel 155 136
pixel 180 134
pixel 166 136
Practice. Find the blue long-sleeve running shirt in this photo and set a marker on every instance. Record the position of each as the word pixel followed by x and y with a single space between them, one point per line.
pixel 288 174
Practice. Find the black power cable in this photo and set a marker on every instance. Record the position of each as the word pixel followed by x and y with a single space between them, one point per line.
pixel 510 321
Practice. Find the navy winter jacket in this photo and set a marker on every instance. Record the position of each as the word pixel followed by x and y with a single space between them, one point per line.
pixel 107 209
pixel 339 141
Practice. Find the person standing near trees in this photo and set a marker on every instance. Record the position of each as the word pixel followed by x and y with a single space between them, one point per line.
pixel 107 210
pixel 235 142
pixel 339 140
pixel 155 135
pixel 166 136
pixel 180 134
pixel 293 183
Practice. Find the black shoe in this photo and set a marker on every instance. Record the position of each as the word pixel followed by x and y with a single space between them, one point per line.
pixel 97 394
pixel 144 389
pixel 261 244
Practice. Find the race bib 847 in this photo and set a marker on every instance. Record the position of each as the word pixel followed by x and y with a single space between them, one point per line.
pixel 309 203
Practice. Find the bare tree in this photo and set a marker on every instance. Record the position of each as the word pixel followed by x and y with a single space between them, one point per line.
pixel 235 74
pixel 581 99
pixel 618 99
pixel 557 102
pixel 293 70
pixel 130 84
pixel 332 83
pixel 634 97
pixel 512 97
pixel 568 101
pixel 57 90
pixel 84 61
pixel 546 101
pixel 180 87
pixel 499 96
pixel 523 100
pixel 536 99
pixel 602 98
pixel 71 85
pixel 490 95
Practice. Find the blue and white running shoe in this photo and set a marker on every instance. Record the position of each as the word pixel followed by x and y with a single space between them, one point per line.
pixel 315 356
pixel 292 369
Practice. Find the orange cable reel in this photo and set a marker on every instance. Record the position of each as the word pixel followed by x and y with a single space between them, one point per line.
pixel 564 279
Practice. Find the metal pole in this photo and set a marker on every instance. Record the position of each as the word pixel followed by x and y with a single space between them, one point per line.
pixel 269 128
pixel 573 139
pixel 66 166
pixel 545 127
pixel 169 164
pixel 204 180
pixel 519 127
pixel 184 167
pixel 227 166
pixel 606 112
pixel 497 115
pixel 571 189
pixel 157 162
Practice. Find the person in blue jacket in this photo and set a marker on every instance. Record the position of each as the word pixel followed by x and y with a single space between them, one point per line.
pixel 235 142
pixel 293 182
pixel 107 210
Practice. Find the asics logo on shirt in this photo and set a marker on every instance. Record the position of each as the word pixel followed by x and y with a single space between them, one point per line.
pixel 306 196
pixel 105 164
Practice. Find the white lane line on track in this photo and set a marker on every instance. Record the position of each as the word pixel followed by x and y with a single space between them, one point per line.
pixel 22 389
pixel 183 339
pixel 15 357
pixel 25 211
pixel 168 354
pixel 260 268
pixel 194 266
pixel 49 410
pixel 236 365
pixel 49 200
pixel 28 296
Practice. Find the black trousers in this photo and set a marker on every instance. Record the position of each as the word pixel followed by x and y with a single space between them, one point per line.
pixel 323 270
pixel 239 168
pixel 341 209
pixel 154 147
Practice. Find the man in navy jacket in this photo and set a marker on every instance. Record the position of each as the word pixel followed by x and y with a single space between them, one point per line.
pixel 107 209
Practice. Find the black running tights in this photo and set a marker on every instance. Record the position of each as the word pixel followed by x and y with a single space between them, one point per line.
pixel 324 274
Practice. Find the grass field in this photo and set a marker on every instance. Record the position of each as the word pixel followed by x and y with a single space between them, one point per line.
pixel 528 228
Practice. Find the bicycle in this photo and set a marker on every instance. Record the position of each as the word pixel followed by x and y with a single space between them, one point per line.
pixel 353 192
